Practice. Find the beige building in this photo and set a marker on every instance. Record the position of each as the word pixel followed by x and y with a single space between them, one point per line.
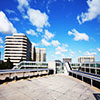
pixel 39 54
pixel 67 59
pixel 17 47
pixel 86 59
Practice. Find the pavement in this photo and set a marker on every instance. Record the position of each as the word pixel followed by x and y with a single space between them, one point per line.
pixel 53 87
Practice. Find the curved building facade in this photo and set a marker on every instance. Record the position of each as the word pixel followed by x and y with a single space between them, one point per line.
pixel 17 47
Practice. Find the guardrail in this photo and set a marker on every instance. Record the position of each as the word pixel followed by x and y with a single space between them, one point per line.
pixel 90 79
pixel 13 74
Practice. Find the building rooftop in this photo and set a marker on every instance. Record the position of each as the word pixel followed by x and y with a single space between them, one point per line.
pixel 54 87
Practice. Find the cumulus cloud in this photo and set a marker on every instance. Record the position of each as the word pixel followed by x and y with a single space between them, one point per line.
pixel 92 12
pixel 31 32
pixel 45 42
pixel 55 43
pixel 37 18
pixel 5 25
pixel 1 41
pixel 98 49
pixel 15 19
pixel 1 46
pixel 9 11
pixel 79 51
pixel 61 49
pixel 87 53
pixel 58 52
pixel 22 4
pixel 72 53
pixel 25 16
pixel 78 36
pixel 48 35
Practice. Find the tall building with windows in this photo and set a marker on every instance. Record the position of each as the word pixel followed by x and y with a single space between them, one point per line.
pixel 17 47
pixel 39 54
pixel 86 59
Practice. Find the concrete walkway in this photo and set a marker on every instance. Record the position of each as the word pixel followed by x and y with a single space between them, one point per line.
pixel 54 87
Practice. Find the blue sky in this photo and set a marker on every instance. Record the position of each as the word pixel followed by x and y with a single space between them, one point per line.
pixel 66 28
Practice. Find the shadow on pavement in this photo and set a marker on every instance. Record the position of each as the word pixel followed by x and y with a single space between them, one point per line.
pixel 97 96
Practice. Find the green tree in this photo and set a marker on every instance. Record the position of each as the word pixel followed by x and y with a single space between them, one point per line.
pixel 6 65
pixel 9 64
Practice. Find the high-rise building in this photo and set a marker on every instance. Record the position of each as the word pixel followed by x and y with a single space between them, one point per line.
pixel 39 54
pixel 67 59
pixel 17 47
pixel 43 54
pixel 86 59
pixel 33 54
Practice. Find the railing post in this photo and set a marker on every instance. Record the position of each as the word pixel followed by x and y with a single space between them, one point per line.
pixel 91 82
pixel 76 75
pixel 82 78
pixel 15 77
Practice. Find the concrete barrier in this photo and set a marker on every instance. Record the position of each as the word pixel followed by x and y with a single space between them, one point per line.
pixel 12 74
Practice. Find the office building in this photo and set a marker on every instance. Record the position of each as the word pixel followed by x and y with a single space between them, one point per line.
pixel 86 59
pixel 33 54
pixel 17 47
pixel 67 59
pixel 39 54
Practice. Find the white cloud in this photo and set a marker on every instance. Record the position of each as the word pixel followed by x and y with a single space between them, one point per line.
pixel 58 53
pixel 39 30
pixel 98 49
pixel 92 12
pixel 38 18
pixel 25 17
pixel 61 49
pixel 34 44
pixel 10 11
pixel 45 42
pixel 31 32
pixel 1 41
pixel 87 53
pixel 80 51
pixel 48 35
pixel 55 43
pixel 78 36
pixel 1 46
pixel 22 4
pixel 5 25
pixel 15 19
pixel 72 53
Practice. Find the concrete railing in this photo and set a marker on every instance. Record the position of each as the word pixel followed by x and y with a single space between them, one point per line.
pixel 12 74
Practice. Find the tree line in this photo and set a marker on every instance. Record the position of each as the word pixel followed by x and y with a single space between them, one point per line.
pixel 6 65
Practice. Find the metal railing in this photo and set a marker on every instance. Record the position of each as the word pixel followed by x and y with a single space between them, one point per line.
pixel 93 80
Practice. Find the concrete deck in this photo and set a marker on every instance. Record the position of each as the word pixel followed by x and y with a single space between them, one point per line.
pixel 54 87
